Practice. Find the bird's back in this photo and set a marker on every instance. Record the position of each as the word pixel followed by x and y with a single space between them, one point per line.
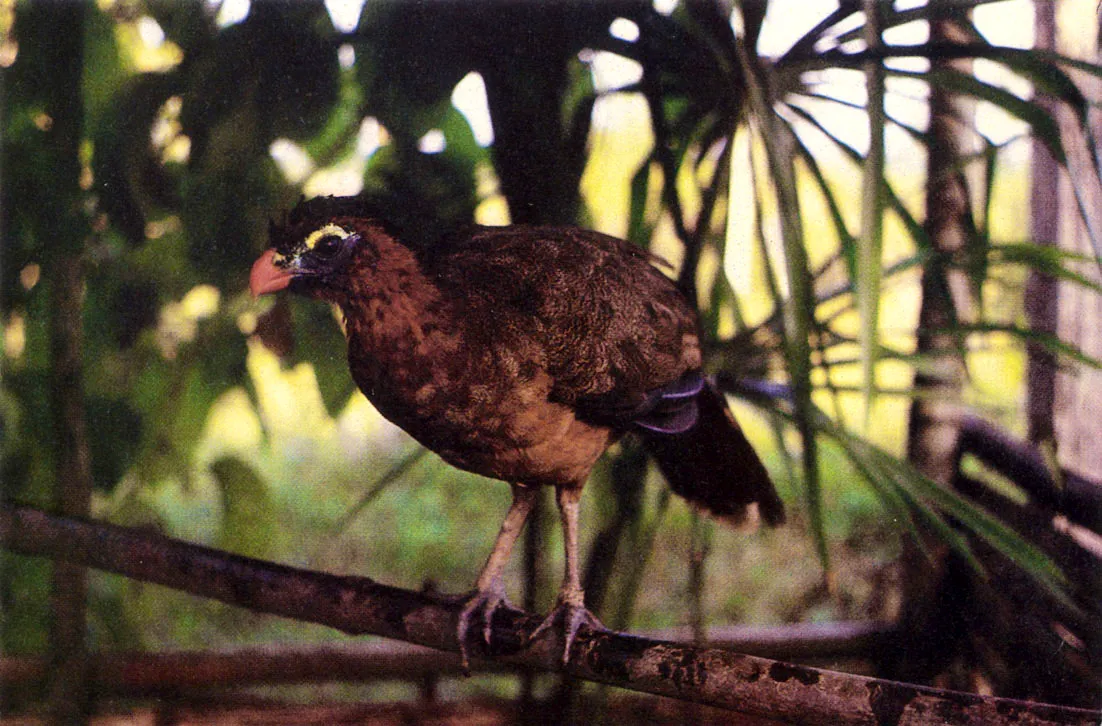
pixel 606 320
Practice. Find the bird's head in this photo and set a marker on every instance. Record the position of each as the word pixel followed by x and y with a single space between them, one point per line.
pixel 307 256
pixel 335 249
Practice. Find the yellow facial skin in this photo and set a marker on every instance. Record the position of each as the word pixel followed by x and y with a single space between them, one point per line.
pixel 326 231
pixel 311 241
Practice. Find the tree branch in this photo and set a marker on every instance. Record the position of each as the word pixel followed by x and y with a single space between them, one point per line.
pixel 757 686
pixel 363 661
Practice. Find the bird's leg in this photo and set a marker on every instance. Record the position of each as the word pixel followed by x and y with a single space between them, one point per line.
pixel 490 587
pixel 570 605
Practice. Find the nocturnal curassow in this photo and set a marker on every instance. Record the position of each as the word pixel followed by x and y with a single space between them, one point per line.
pixel 521 353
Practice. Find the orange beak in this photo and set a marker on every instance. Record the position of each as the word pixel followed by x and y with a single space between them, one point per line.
pixel 266 276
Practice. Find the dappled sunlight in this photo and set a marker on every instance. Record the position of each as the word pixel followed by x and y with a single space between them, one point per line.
pixel 290 403
pixel 492 211
pixel 996 379
pixel 469 97
pixel 493 208
pixel 144 46
pixel 290 416
pixel 179 321
pixel 15 336
pixel 360 428
pixel 617 147
pixel 345 177
pixel 232 427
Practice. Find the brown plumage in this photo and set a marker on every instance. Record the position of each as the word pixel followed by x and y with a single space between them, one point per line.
pixel 521 353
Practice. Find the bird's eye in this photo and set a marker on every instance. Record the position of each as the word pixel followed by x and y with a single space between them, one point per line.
pixel 328 246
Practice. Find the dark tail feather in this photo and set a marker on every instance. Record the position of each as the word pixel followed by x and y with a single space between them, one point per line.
pixel 713 465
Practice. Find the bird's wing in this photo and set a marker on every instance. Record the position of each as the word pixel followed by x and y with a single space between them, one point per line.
pixel 669 409
pixel 611 329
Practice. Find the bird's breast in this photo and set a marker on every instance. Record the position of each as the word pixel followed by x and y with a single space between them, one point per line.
pixel 486 410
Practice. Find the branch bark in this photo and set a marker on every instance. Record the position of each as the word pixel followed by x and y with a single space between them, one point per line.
pixel 127 673
pixel 756 686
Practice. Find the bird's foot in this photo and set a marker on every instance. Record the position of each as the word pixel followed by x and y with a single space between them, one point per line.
pixel 573 616
pixel 481 603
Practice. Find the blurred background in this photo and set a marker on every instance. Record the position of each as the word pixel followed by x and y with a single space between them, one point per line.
pixel 885 212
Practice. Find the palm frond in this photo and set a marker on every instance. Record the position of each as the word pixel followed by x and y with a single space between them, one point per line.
pixel 870 246
pixel 916 501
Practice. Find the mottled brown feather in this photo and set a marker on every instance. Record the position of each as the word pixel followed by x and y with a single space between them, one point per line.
pixel 498 348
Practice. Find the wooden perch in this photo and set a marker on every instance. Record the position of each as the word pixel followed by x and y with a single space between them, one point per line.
pixel 131 672
pixel 355 605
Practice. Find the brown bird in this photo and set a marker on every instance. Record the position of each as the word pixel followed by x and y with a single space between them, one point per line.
pixel 521 353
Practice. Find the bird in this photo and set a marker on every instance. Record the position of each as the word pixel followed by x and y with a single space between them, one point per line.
pixel 522 353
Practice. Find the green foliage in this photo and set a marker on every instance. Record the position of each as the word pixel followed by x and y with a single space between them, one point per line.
pixel 250 526
pixel 319 340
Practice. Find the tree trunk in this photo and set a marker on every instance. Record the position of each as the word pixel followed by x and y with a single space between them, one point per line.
pixel 72 496
pixel 538 151
pixel 929 626
pixel 1041 289
pixel 1076 403
pixel 933 427
pixel 51 37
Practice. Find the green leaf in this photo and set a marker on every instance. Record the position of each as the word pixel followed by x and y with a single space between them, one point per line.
pixel 114 433
pixel 1046 259
pixel 103 68
pixel 337 137
pixel 1049 341
pixel 250 523
pixel 131 181
pixel 870 244
pixel 319 340
pixel 173 394
pixel 779 144
pixel 903 488
pixel 27 583
pixel 225 210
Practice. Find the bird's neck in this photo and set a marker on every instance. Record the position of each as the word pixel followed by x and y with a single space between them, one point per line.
pixel 389 301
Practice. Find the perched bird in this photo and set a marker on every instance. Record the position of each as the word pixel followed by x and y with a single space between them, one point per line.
pixel 521 353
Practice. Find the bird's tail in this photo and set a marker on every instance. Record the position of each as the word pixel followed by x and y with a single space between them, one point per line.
pixel 714 467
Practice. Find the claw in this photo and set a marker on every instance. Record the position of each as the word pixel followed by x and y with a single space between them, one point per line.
pixel 487 601
pixel 570 607
pixel 573 617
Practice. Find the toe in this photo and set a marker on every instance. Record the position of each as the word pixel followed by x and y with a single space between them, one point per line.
pixel 573 617
pixel 573 620
pixel 480 604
